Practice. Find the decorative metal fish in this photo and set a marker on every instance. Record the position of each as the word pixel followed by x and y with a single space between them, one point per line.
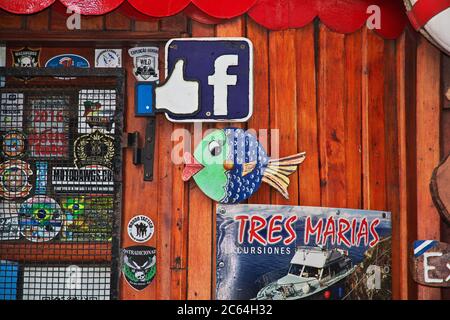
pixel 230 164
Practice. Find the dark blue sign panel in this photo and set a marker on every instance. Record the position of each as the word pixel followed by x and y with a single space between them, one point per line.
pixel 223 67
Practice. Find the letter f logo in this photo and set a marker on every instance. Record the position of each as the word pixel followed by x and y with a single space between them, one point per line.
pixel 221 80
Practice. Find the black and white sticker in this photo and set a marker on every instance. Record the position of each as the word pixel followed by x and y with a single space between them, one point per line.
pixel 108 58
pixel 145 63
pixel 140 228
pixel 94 179
pixel 9 221
pixel 11 111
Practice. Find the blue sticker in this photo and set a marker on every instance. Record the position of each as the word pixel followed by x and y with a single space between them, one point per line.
pixel 41 178
pixel 8 280
pixel 67 61
pixel 144 99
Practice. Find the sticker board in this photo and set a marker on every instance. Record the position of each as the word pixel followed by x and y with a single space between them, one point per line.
pixel 11 111
pixel 9 272
pixel 269 252
pixel 66 283
pixel 96 111
pixel 48 127
pixel 430 262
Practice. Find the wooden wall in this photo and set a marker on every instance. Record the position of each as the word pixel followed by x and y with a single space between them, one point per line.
pixel 366 111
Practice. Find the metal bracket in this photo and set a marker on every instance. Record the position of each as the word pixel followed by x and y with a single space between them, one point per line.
pixel 149 149
pixel 144 155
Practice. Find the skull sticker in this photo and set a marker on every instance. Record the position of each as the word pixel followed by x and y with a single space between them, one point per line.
pixel 26 58
pixel 139 266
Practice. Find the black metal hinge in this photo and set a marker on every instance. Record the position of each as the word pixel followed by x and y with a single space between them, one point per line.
pixel 143 155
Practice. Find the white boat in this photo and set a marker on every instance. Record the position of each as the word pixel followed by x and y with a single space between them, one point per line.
pixel 313 273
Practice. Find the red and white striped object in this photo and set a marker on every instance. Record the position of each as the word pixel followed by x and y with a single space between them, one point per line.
pixel 432 19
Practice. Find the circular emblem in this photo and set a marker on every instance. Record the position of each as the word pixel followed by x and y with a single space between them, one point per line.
pixel 13 144
pixel 40 218
pixel 14 176
pixel 108 58
pixel 141 228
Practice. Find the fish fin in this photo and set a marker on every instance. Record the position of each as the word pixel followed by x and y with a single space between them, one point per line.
pixel 278 170
pixel 248 167
pixel 295 159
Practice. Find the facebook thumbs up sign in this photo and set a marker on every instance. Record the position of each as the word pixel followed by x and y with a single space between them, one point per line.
pixel 177 95
pixel 208 80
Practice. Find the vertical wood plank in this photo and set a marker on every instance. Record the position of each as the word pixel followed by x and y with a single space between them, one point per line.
pixel 232 28
pixel 200 249
pixel 260 119
pixel 374 177
pixel 331 117
pixel 180 221
pixel 10 21
pixel 307 131
pixel 352 111
pixel 163 160
pixel 445 142
pixel 406 109
pixel 283 102
pixel 428 148
pixel 392 159
pixel 134 187
pixel 147 26
pixel 117 21
pixel 38 21
pixel 174 23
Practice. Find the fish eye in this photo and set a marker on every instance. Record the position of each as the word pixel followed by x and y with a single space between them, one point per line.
pixel 215 148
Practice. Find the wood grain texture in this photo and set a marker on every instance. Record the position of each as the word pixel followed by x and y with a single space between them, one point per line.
pixel 349 101
pixel 117 21
pixel 283 103
pixel 374 129
pixel 352 118
pixel 261 117
pixel 307 126
pixel 139 196
pixel 439 186
pixel 392 188
pixel 201 227
pixel 406 77
pixel 428 147
pixel 331 94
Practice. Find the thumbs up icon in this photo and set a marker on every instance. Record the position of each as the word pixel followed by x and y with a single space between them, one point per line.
pixel 177 95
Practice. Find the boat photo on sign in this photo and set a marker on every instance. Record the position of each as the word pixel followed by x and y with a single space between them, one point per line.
pixel 269 252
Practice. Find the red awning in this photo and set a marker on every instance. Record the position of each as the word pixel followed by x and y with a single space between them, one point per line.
pixel 343 16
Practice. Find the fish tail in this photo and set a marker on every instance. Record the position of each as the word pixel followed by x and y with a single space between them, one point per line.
pixel 278 170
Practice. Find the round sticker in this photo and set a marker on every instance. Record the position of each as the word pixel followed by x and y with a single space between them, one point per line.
pixel 41 219
pixel 13 144
pixel 14 176
pixel 140 228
